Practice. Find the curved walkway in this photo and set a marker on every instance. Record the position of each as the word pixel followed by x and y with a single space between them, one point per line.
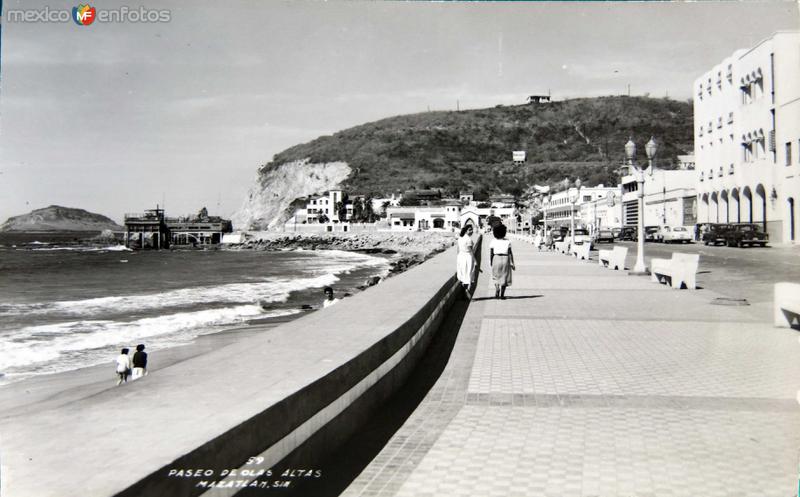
pixel 590 382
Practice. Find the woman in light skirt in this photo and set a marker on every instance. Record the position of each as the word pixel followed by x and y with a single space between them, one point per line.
pixel 465 261
pixel 502 260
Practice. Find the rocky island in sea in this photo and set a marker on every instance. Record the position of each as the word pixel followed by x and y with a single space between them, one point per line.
pixel 56 218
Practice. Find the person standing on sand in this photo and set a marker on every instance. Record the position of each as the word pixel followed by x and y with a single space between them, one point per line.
pixel 502 261
pixel 465 261
pixel 139 362
pixel 123 366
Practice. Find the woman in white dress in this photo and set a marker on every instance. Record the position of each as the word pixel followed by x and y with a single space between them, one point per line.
pixel 502 261
pixel 465 262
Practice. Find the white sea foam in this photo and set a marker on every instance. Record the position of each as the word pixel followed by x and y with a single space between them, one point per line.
pixel 110 248
pixel 269 290
pixel 47 348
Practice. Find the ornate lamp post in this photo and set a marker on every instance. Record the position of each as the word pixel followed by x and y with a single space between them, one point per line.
pixel 630 155
pixel 545 205
pixel 573 199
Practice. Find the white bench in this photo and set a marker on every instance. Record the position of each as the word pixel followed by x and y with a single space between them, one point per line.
pixel 787 304
pixel 582 251
pixel 561 247
pixel 680 270
pixel 614 259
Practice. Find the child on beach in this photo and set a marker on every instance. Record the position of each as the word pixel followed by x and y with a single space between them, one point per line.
pixel 139 362
pixel 123 366
pixel 329 300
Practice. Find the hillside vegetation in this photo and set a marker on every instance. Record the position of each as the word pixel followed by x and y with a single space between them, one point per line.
pixel 471 149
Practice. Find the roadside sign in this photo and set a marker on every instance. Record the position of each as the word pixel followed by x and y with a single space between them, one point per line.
pixel 518 155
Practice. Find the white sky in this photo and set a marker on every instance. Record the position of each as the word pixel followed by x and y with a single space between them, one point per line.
pixel 114 117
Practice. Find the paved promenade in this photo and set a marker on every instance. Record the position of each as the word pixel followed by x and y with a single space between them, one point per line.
pixel 590 382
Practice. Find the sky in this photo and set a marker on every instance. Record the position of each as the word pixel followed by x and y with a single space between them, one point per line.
pixel 117 117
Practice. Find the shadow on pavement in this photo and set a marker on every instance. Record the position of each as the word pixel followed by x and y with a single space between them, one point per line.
pixel 509 297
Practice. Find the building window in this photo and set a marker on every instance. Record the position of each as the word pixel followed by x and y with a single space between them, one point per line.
pixel 730 117
pixel 788 153
pixel 729 74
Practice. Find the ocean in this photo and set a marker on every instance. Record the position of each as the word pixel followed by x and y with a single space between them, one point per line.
pixel 65 306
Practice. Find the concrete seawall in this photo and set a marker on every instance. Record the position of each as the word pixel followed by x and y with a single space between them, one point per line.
pixel 264 397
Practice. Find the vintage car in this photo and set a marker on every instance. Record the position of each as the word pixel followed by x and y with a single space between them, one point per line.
pixel 604 236
pixel 715 234
pixel 628 233
pixel 650 233
pixel 580 237
pixel 616 232
pixel 676 234
pixel 741 235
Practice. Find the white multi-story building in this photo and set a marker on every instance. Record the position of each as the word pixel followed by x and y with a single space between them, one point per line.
pixel 669 198
pixel 747 137
pixel 325 204
pixel 590 207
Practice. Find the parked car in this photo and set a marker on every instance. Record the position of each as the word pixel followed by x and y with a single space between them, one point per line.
pixel 604 236
pixel 716 234
pixel 616 232
pixel 677 234
pixel 650 233
pixel 580 236
pixel 628 233
pixel 559 234
pixel 741 235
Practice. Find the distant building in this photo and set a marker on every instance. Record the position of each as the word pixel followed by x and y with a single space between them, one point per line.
pixel 423 218
pixel 538 99
pixel 466 197
pixel 686 162
pixel 669 198
pixel 146 230
pixel 325 205
pixel 197 230
pixel 588 210
pixel 478 216
pixel 152 229
pixel 502 200
pixel 424 197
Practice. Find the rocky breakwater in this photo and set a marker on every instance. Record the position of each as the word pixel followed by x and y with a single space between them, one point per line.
pixel 409 248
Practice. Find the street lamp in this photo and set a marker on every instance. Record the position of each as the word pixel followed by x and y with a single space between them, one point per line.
pixel 630 154
pixel 545 205
pixel 573 199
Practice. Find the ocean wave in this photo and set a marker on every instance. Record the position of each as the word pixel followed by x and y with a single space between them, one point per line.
pixel 110 248
pixel 323 271
pixel 268 290
pixel 49 348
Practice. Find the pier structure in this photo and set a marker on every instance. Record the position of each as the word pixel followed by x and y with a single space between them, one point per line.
pixel 152 229
pixel 146 230
pixel 198 230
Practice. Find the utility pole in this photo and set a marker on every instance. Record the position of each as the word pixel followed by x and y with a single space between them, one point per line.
pixel 458 105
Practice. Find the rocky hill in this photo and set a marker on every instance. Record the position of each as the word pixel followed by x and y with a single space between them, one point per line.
pixel 471 150
pixel 57 218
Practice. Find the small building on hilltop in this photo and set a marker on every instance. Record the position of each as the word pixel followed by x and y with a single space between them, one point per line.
pixel 538 99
